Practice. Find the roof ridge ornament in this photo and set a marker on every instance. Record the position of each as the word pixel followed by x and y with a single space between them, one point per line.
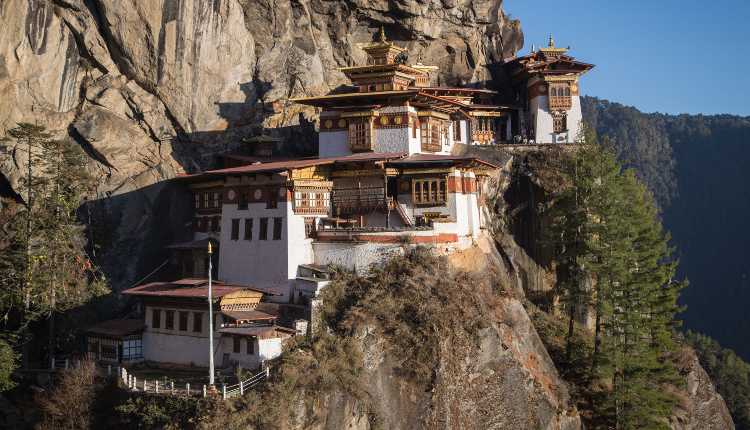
pixel 551 43
pixel 382 34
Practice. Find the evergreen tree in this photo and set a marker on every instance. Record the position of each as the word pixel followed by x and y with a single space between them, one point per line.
pixel 44 268
pixel 622 249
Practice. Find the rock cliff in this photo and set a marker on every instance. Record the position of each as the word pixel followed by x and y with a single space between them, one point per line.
pixel 152 88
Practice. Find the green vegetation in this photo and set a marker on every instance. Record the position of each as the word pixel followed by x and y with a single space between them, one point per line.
pixel 44 267
pixel 730 374
pixel 412 304
pixel 615 262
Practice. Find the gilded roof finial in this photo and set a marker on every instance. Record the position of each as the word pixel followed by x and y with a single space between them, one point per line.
pixel 551 41
pixel 382 34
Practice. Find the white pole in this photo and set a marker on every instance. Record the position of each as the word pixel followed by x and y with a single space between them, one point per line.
pixel 135 386
pixel 187 388
pixel 223 391
pixel 204 391
pixel 210 320
pixel 242 391
pixel 145 385
pixel 156 387
pixel 172 387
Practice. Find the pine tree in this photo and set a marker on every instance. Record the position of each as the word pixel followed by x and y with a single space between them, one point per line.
pixel 621 247
pixel 45 268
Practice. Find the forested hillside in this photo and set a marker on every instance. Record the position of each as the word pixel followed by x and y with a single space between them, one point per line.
pixel 696 165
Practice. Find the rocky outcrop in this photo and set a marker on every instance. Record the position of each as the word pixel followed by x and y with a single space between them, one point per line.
pixel 151 89
pixel 502 379
pixel 154 88
pixel 701 407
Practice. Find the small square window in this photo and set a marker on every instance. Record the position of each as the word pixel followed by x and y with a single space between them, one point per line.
pixel 169 323
pixel 248 229
pixel 263 233
pixel 277 224
pixel 197 322
pixel 235 229
pixel 183 321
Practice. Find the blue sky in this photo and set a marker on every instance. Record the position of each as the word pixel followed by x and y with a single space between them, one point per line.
pixel 660 55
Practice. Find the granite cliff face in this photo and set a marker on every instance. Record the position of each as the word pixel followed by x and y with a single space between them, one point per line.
pixel 152 88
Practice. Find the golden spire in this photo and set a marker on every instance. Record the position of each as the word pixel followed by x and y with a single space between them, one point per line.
pixel 382 34
pixel 551 41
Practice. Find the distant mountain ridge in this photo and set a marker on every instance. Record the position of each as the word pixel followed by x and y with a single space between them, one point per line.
pixel 697 167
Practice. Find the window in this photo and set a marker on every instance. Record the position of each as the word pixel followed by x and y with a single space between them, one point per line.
pixel 169 323
pixel 456 131
pixel 216 200
pixel 272 198
pixel 109 352
pixel 277 223
pixel 429 191
pixel 242 201
pixel 309 227
pixel 235 229
pixel 263 233
pixel 205 201
pixel 248 229
pixel 430 131
pixel 197 201
pixel 132 349
pixel 414 126
pixel 236 346
pixel 156 318
pixel 183 321
pixel 560 123
pixel 360 132
pixel 197 322
pixel 250 346
pixel 215 224
pixel 559 96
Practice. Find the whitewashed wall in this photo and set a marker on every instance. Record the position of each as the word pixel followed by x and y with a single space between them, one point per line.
pixel 333 144
pixel 544 125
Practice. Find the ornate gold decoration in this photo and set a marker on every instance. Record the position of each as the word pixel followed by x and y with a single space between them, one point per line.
pixel 397 120
pixel 342 123
pixel 384 120
pixel 328 123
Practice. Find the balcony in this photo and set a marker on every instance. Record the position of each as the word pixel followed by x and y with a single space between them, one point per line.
pixel 560 103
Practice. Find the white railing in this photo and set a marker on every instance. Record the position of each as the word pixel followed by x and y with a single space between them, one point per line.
pixel 132 383
pixel 227 392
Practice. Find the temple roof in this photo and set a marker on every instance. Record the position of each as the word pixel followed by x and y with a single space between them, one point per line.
pixel 547 60
pixel 117 328
pixel 189 288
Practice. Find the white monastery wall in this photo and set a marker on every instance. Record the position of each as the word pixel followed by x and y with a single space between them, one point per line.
pixel 299 248
pixel 355 256
pixel 333 143
pixel 176 346
pixel 539 107
pixel 254 261
pixel 263 349
pixel 392 139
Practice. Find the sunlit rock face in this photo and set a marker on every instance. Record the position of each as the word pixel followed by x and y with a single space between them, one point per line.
pixel 154 88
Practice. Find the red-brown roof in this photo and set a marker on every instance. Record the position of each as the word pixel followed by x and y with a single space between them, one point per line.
pixel 260 331
pixel 439 158
pixel 117 328
pixel 188 288
pixel 280 166
pixel 249 315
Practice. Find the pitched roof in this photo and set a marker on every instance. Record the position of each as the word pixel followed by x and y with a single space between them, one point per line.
pixel 117 328
pixel 257 331
pixel 249 315
pixel 280 166
pixel 188 288
pixel 440 158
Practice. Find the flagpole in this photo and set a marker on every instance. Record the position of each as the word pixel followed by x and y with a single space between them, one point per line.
pixel 210 322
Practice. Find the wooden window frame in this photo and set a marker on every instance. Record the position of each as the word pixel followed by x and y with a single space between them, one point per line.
pixel 216 200
pixel 197 322
pixel 560 97
pixel 278 224
pixel 429 191
pixel 236 344
pixel 457 131
pixel 169 319
pixel 182 320
pixel 250 346
pixel 248 233
pixel 559 123
pixel 360 134
pixel 156 318
pixel 263 229
pixel 197 200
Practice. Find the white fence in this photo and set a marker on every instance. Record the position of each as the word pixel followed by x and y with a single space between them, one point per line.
pixel 227 391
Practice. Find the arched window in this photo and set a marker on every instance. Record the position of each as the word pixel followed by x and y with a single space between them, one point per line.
pixel 567 91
